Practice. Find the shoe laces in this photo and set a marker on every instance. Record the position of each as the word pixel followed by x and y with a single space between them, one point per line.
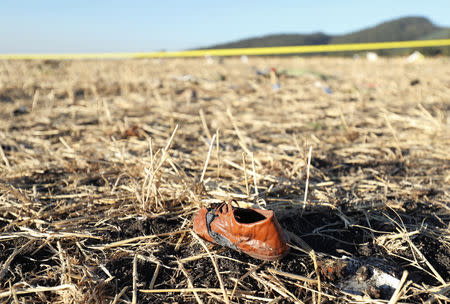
pixel 224 207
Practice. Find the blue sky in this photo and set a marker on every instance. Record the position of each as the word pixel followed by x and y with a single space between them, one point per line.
pixel 131 26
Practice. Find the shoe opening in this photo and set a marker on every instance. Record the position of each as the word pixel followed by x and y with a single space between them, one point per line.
pixel 248 216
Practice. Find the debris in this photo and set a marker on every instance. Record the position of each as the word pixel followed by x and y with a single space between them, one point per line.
pixel 20 111
pixel 276 86
pixel 416 56
pixel 372 56
pixel 186 77
pixel 189 95
pixel 300 72
pixel 274 79
pixel 209 59
pixel 134 131
pixel 221 77
pixel 262 72
pixel 244 59
pixel 414 82
pixel 370 276
pixel 253 231
pixel 326 89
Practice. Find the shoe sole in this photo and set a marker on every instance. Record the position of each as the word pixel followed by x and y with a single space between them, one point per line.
pixel 265 257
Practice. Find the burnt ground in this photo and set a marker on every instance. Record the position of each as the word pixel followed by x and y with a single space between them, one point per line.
pixel 93 187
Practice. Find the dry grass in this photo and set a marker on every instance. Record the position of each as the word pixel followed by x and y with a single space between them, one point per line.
pixel 104 163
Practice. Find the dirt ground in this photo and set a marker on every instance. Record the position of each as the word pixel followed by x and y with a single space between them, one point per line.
pixel 103 164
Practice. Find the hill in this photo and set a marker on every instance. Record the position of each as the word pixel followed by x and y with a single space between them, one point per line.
pixel 408 28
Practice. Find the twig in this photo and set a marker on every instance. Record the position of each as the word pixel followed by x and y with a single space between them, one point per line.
pixel 245 174
pixel 8 261
pixel 207 158
pixel 204 124
pixel 135 239
pixel 37 289
pixel 120 294
pixel 293 276
pixel 246 275
pixel 394 134
pixel 63 262
pixel 155 275
pixel 307 177
pixel 197 289
pixel 255 179
pixel 238 132
pixel 396 296
pixel 312 254
pixel 5 160
pixel 216 268
pixel 35 99
pixel 189 280
pixel 282 291
pixel 135 278
pixel 217 152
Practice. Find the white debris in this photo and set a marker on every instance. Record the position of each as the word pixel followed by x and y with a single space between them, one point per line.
pixel 244 59
pixel 372 56
pixel 415 57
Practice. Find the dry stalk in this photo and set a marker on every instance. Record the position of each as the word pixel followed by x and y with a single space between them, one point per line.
pixel 207 158
pixel 205 125
pixel 255 178
pixel 189 280
pixel 244 276
pixel 120 294
pixel 245 174
pixel 396 296
pixel 11 257
pixel 307 177
pixel 5 160
pixel 155 275
pixel 135 279
pixel 37 290
pixel 216 268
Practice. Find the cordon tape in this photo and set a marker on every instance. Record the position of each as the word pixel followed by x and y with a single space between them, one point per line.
pixel 239 51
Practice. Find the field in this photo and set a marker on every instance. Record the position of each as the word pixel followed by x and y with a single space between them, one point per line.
pixel 103 164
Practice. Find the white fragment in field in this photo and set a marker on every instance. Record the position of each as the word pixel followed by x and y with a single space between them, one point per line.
pixel 372 56
pixel 375 278
pixel 244 59
pixel 416 56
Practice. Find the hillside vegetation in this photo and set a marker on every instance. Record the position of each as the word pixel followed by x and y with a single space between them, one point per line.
pixel 408 28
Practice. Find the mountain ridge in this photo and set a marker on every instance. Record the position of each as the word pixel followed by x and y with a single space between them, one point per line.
pixel 401 29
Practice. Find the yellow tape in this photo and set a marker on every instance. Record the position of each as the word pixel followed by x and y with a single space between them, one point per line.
pixel 242 51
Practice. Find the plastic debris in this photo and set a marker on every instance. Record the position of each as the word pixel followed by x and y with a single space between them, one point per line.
pixel 244 59
pixel 372 277
pixel 414 82
pixel 186 77
pixel 416 56
pixel 372 56
pixel 326 89
pixel 20 111
pixel 274 79
pixel 368 278
pixel 209 59
pixel 262 72
pixel 276 86
pixel 134 131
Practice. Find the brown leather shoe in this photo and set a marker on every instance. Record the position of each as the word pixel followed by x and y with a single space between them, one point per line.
pixel 253 231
